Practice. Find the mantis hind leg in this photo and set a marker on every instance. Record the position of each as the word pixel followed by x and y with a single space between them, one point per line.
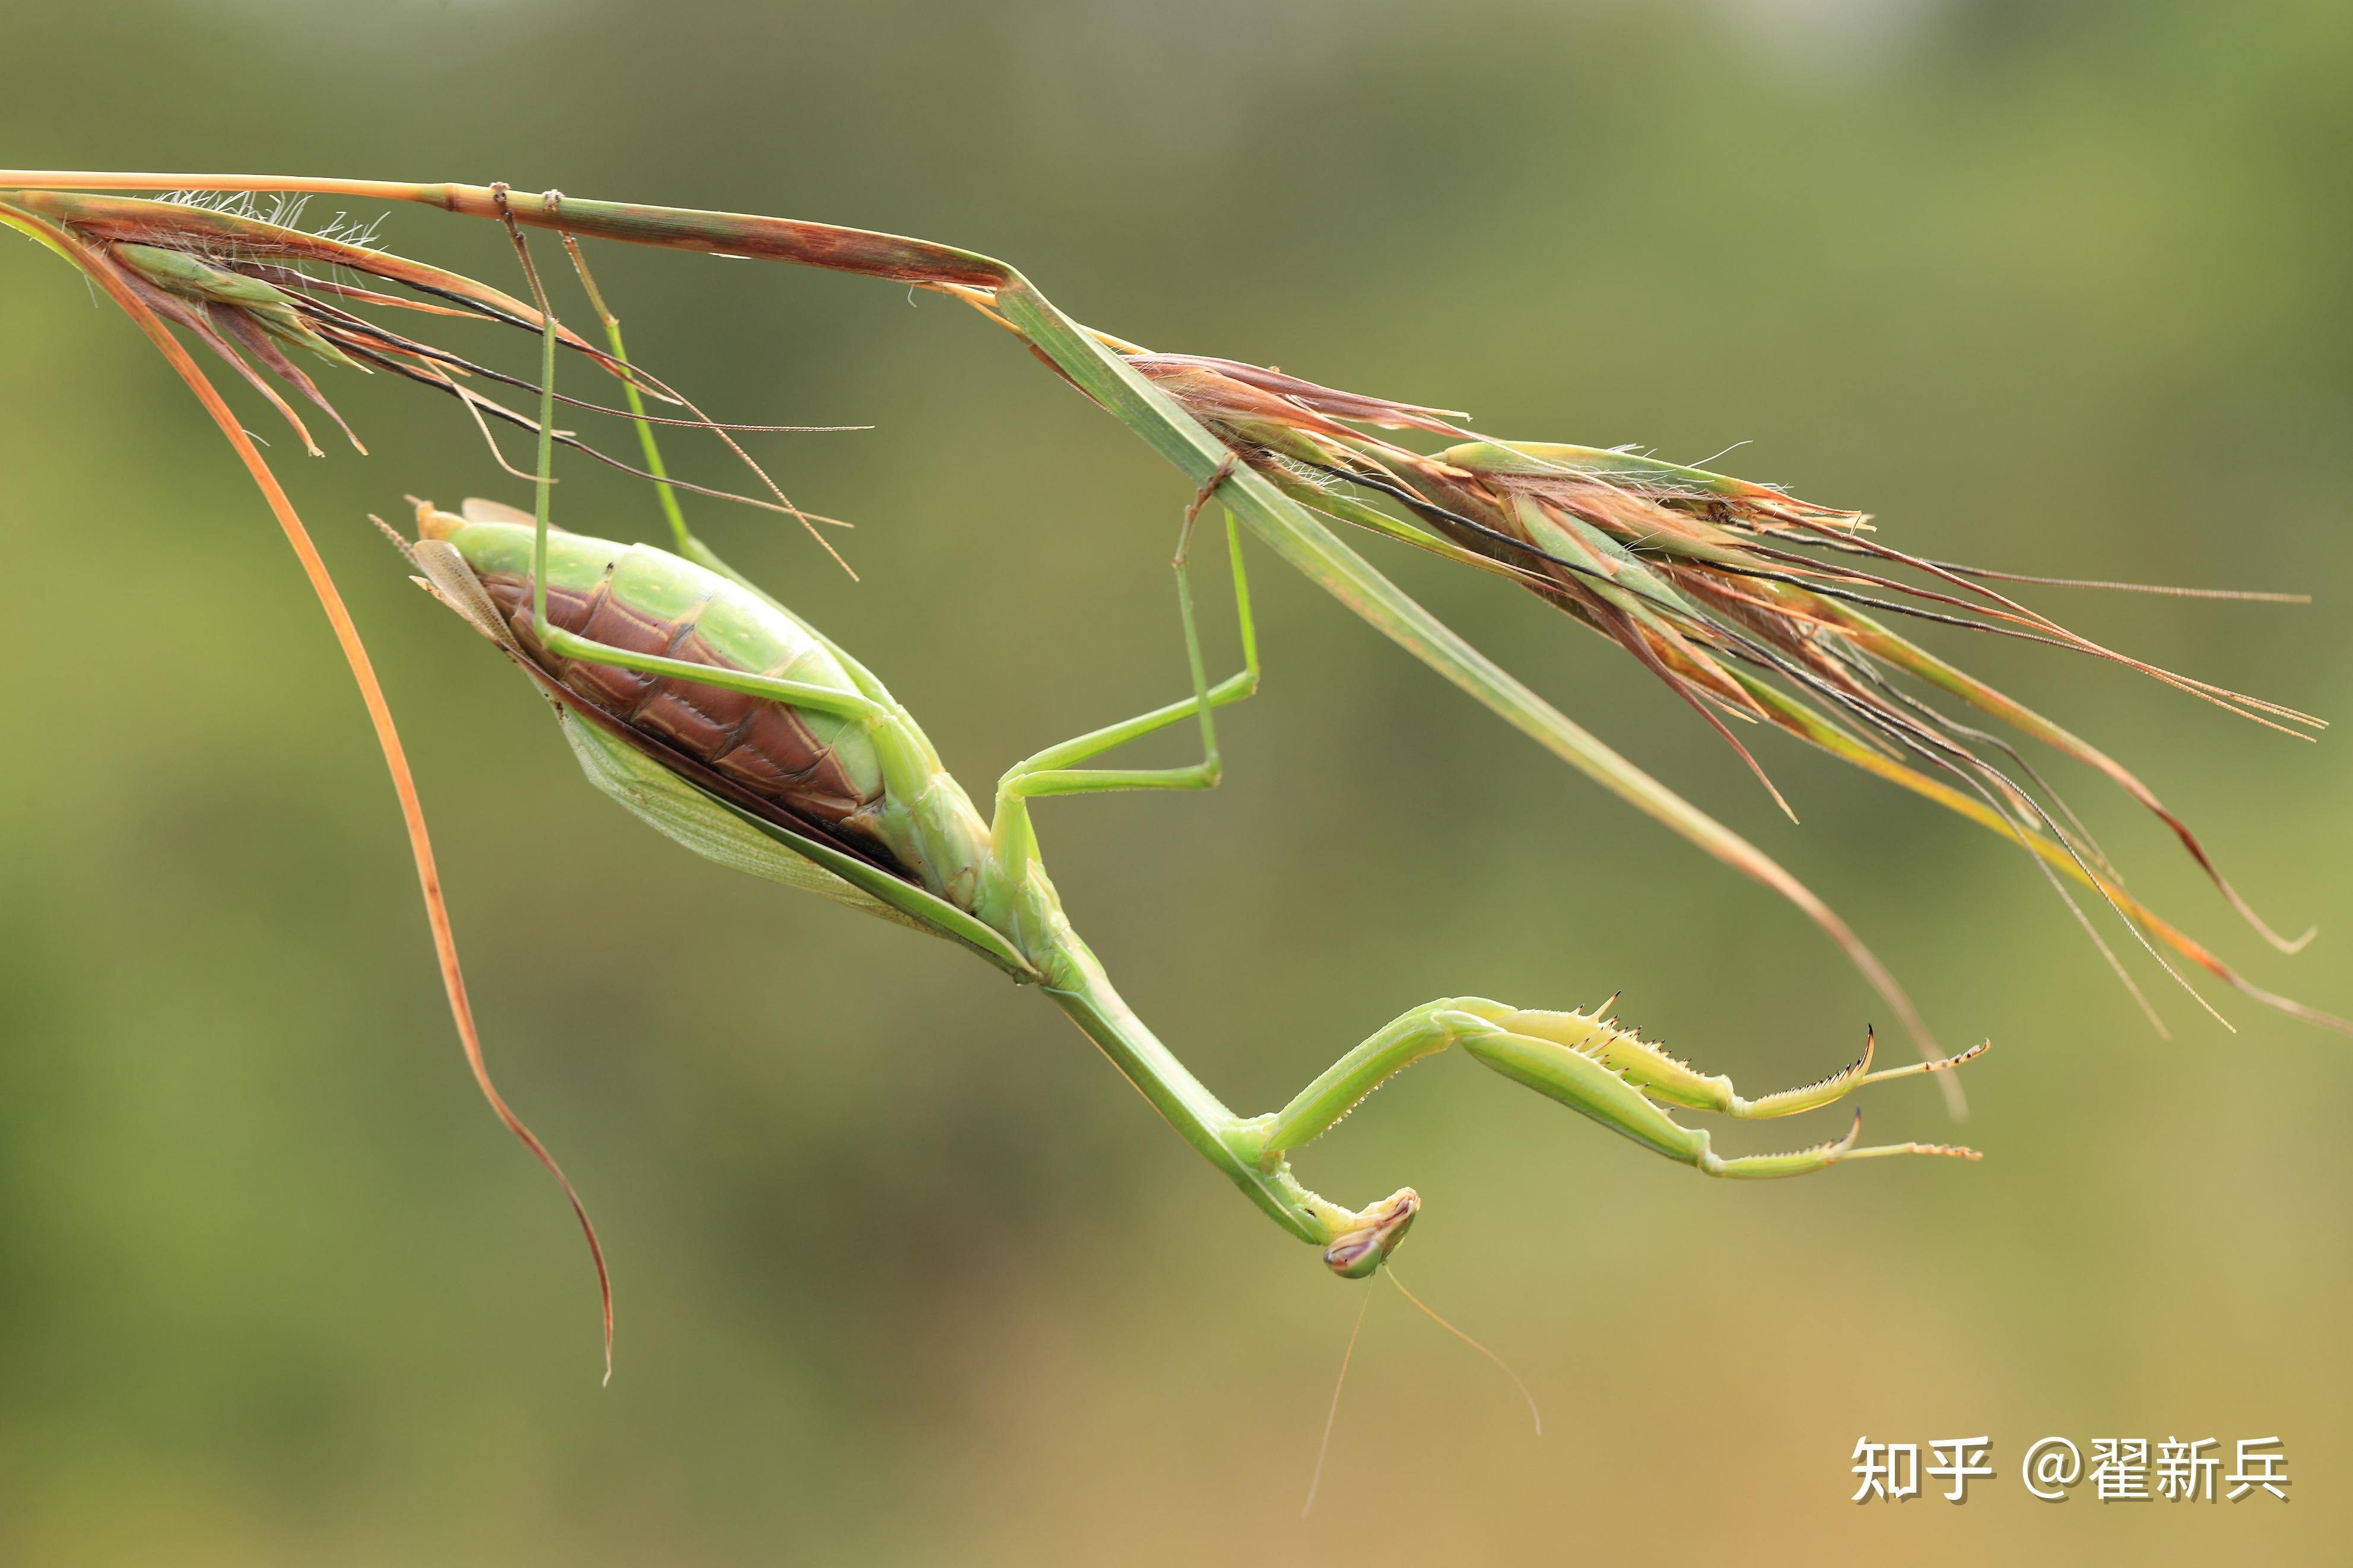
pixel 1582 1060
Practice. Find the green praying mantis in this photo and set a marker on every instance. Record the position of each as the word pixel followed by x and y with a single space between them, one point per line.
pixel 758 743
pixel 710 710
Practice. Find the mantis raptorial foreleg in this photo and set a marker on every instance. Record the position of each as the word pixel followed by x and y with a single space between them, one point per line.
pixel 1665 1077
pixel 1585 1062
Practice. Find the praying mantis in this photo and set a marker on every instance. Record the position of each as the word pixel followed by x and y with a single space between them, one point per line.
pixel 758 743
pixel 1749 604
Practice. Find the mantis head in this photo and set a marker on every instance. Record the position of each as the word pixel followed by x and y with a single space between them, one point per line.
pixel 1358 1253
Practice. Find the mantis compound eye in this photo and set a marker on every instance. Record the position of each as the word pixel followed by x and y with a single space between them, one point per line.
pixel 1358 1253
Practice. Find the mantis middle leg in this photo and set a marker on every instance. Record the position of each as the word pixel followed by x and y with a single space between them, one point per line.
pixel 1054 771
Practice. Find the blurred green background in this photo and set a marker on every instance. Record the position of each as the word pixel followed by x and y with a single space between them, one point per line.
pixel 905 1273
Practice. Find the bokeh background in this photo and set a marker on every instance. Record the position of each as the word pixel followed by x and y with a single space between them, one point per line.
pixel 906 1274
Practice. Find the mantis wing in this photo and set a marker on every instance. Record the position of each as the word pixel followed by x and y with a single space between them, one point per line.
pixel 687 802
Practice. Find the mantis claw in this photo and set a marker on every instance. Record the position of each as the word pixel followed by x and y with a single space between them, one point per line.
pixel 1765 1167
pixel 1224 471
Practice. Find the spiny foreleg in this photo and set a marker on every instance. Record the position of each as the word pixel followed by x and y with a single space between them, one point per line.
pixel 1585 1062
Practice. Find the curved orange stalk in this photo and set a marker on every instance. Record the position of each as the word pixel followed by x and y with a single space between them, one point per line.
pixel 347 636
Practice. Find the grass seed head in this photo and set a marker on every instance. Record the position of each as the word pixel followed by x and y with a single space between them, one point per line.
pixel 1753 605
